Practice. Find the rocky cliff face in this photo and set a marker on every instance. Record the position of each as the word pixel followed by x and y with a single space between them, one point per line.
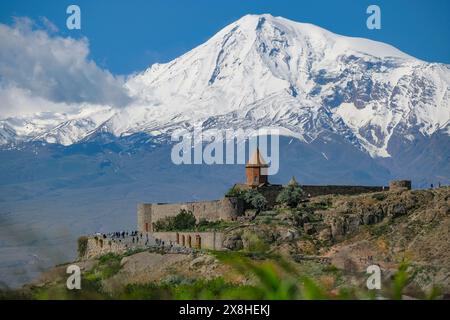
pixel 353 232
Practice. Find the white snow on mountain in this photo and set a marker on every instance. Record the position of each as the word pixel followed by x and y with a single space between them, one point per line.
pixel 265 71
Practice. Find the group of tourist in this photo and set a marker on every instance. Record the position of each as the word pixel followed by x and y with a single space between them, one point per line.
pixel 133 239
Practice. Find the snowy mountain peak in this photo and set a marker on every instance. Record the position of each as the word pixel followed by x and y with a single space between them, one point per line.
pixel 269 71
pixel 272 28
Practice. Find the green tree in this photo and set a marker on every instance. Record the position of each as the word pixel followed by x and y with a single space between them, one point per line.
pixel 183 221
pixel 234 192
pixel 255 199
pixel 291 195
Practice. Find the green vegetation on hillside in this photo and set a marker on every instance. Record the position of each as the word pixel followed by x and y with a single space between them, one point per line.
pixel 253 199
pixel 185 221
pixel 291 195
pixel 270 278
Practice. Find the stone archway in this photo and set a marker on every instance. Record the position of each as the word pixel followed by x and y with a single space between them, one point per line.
pixel 189 241
pixel 198 241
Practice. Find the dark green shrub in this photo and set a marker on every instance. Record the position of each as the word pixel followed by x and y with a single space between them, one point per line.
pixel 255 199
pixel 252 197
pixel 291 196
pixel 183 221
pixel 234 192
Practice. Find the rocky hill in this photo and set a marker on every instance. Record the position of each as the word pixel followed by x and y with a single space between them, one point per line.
pixel 327 242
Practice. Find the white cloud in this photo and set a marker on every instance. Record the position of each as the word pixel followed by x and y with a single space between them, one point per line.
pixel 15 101
pixel 50 26
pixel 40 72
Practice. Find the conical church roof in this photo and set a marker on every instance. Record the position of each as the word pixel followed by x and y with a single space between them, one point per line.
pixel 256 160
pixel 293 182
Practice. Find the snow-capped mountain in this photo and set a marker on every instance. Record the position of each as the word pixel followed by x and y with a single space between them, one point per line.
pixel 269 71
pixel 363 113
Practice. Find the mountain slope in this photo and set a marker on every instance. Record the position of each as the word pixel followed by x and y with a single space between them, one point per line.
pixel 270 71
pixel 273 71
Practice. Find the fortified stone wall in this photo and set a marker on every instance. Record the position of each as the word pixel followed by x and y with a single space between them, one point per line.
pixel 226 209
pixel 271 193
pixel 398 185
pixel 315 191
pixel 229 208
pixel 196 240
pixel 97 247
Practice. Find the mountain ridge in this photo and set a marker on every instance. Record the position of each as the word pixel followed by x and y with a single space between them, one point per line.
pixel 272 71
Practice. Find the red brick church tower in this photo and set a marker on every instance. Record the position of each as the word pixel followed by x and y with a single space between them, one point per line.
pixel 256 170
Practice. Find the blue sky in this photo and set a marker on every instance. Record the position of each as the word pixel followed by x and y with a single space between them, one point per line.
pixel 128 36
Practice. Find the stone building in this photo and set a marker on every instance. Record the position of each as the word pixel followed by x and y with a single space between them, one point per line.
pixel 400 185
pixel 226 209
pixel 256 171
pixel 257 178
pixel 230 208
